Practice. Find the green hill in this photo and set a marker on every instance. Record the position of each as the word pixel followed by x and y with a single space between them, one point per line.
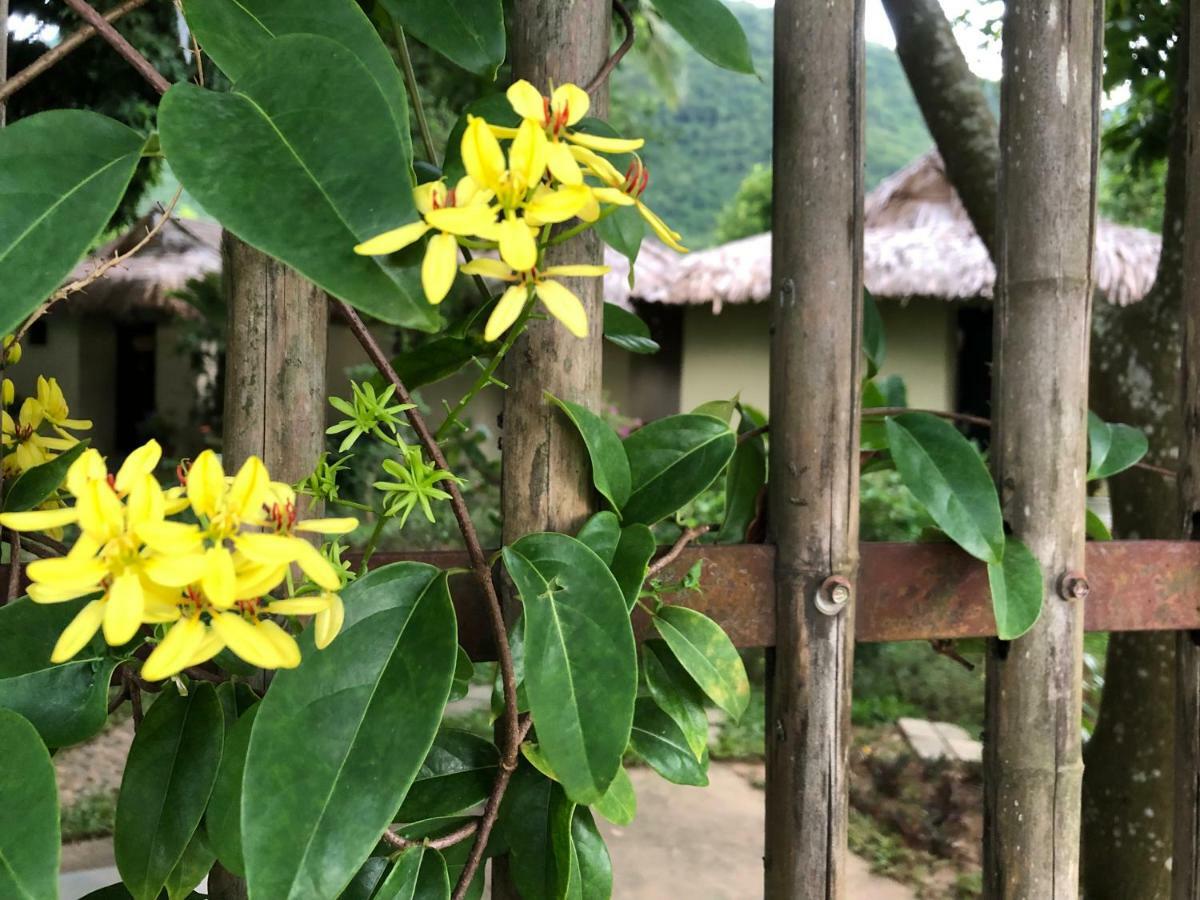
pixel 699 151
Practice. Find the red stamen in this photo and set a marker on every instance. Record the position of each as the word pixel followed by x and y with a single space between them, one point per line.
pixel 112 481
pixel 181 470
pixel 450 199
pixel 645 180
pixel 546 107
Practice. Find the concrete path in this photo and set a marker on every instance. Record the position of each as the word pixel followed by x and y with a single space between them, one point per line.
pixel 698 843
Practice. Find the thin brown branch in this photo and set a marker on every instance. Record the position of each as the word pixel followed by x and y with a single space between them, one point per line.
pixel 753 433
pixel 14 567
pixel 46 546
pixel 134 690
pixel 673 554
pixel 55 54
pixel 457 836
pixel 127 51
pixel 966 418
pixel 483 574
pixel 202 674
pixel 946 648
pixel 618 54
pixel 80 284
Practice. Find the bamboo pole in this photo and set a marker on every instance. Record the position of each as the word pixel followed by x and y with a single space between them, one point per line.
pixel 1045 237
pixel 815 398
pixel 545 477
pixel 1185 860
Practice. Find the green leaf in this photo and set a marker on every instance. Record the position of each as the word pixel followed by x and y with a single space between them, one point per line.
pixel 610 468
pixel 339 740
pixel 29 830
pixel 235 33
pixel 419 874
pixel 658 740
pixel 718 409
pixel 224 817
pixel 464 671
pixel 67 703
pixel 947 476
pixel 366 880
pixel 168 779
pixel 469 33
pixel 744 482
pixel 627 331
pixel 592 862
pixel 1096 529
pixel 576 625
pixel 1112 448
pixel 435 360
pixel 893 389
pixel 708 655
pixel 631 560
pixel 536 822
pixel 516 644
pixel 496 109
pixel 619 803
pixel 457 774
pixel 1017 590
pixel 34 485
pixel 280 160
pixel 873 434
pixel 676 694
pixel 712 30
pixel 62 174
pixel 624 230
pixel 534 756
pixel 671 462
pixel 874 337
pixel 601 533
pixel 192 867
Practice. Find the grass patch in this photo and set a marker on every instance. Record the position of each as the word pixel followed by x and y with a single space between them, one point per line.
pixel 92 815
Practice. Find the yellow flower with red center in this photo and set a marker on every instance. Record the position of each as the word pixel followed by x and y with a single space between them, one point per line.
pixel 624 190
pixel 558 299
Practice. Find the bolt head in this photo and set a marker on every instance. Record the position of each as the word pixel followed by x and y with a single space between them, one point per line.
pixel 833 595
pixel 1073 586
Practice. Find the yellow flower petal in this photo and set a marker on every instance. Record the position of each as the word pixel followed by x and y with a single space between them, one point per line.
pixel 257 580
pixel 209 647
pixel 391 241
pixel 46 593
pixel 139 463
pixel 300 606
pixel 156 612
pixel 218 581
pixel 101 514
pixel 176 570
pixel 557 206
pixel 287 651
pixel 572 99
pixel 659 227
pixel 613 196
pixel 489 268
pixel 328 623
pixel 145 503
pixel 125 604
pixel 68 571
pixel 89 467
pixel 176 650
pixel 317 567
pixel 205 484
pixel 527 101
pixel 77 634
pixel 575 270
pixel 517 246
pixel 564 306
pixel 562 164
pixel 511 302
pixel 249 488
pixel 439 267
pixel 481 154
pixel 172 538
pixel 269 549
pixel 328 526
pixel 527 155
pixel 463 220
pixel 246 640
pixel 605 144
pixel 39 519
pixel 428 196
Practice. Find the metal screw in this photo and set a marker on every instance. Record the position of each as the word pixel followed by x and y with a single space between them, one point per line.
pixel 1073 586
pixel 833 595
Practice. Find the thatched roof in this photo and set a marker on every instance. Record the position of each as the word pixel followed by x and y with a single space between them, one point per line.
pixel 917 242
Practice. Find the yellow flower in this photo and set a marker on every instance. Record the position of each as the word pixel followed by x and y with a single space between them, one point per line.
pixel 28 448
pixel 556 297
pixel 54 407
pixel 463 211
pixel 565 106
pixel 512 181
pixel 624 190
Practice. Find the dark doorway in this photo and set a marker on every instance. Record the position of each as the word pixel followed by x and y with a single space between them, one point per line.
pixel 136 405
pixel 973 390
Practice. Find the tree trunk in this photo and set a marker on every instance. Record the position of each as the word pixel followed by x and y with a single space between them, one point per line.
pixel 545 482
pixel 815 399
pixel 1033 765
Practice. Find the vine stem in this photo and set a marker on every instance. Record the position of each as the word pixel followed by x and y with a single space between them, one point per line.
pixel 677 548
pixel 410 81
pixel 144 67
pixel 483 574
pixel 372 543
pixel 619 53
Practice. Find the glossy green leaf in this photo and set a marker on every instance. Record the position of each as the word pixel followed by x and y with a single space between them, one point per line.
pixel 300 128
pixel 619 803
pixel 29 830
pixel 712 30
pixel 592 863
pixel 873 433
pixel 894 391
pixel 534 756
pixel 745 480
pixel 435 360
pixel 718 409
pixel 62 174
pixel 34 485
pixel 66 703
pixel 457 774
pixel 676 693
pixel 366 880
pixel 236 32
pixel 1112 448
pixel 1096 529
pixel 419 874
pixel 610 468
pixel 496 109
pixel 118 892
pixel 708 655
pixel 623 229
pixel 658 740
pixel 629 563
pixel 601 533
pixel 339 740
pixel 224 817
pixel 192 867
pixel 168 779
pixel 576 625
pixel 469 33
pixel 948 477
pixel 516 645
pixel 464 671
pixel 627 331
pixel 536 822
pixel 874 337
pixel 1017 590
pixel 672 461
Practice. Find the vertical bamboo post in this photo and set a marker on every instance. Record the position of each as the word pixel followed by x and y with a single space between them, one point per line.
pixel 815 370
pixel 1046 225
pixel 1185 860
pixel 544 479
pixel 274 388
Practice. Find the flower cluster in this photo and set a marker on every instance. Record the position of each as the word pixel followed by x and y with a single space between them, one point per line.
pixel 553 172
pixel 43 425
pixel 206 577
